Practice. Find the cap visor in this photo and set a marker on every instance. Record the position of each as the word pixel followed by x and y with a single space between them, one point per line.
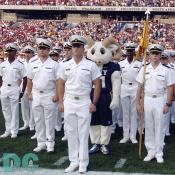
pixel 7 50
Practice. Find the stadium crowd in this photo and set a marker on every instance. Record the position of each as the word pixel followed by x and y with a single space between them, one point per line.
pixel 140 3
pixel 25 32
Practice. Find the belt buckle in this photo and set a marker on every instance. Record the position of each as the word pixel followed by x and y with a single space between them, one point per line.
pixel 76 98
pixel 154 96
pixel 41 92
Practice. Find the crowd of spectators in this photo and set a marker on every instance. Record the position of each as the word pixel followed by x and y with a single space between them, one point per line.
pixel 153 3
pixel 139 3
pixel 26 32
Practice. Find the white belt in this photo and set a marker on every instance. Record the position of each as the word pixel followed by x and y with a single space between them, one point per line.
pixel 130 84
pixel 154 95
pixel 9 85
pixel 77 97
pixel 43 91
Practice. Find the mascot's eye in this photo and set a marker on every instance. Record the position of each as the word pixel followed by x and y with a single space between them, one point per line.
pixel 102 50
pixel 112 53
pixel 93 51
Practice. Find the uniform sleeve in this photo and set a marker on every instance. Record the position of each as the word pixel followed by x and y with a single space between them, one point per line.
pixel 57 71
pixel 95 72
pixel 62 74
pixel 141 65
pixel 173 73
pixel 139 78
pixel 1 70
pixel 29 71
pixel 23 71
pixel 170 77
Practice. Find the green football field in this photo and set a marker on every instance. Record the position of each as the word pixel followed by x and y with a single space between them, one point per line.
pixel 128 152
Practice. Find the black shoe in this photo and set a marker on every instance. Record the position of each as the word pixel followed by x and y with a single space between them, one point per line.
pixel 104 150
pixel 95 148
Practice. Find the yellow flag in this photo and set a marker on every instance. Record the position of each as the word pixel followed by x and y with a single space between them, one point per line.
pixel 144 41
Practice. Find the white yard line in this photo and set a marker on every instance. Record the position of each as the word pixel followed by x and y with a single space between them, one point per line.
pixel 61 161
pixel 41 171
pixel 120 163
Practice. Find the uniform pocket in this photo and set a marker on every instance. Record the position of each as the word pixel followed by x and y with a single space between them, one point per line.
pixel 49 73
pixel 161 81
pixel 48 70
pixel 35 70
pixel 16 73
pixel 147 76
pixel 136 69
pixel 85 73
pixel 160 77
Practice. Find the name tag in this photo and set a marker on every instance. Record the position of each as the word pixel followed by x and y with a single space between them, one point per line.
pixel 35 69
pixel 86 70
pixel 160 75
pixel 48 70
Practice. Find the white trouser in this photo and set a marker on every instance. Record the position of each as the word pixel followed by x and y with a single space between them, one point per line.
pixel 62 116
pixel 166 121
pixel 172 111
pixel 100 134
pixel 77 118
pixel 129 117
pixel 114 117
pixel 44 112
pixel 58 122
pixel 117 116
pixel 153 111
pixel 10 108
pixel 26 108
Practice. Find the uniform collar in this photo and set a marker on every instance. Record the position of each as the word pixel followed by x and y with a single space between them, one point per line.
pixel 48 59
pixel 12 62
pixel 157 68
pixel 81 62
pixel 131 62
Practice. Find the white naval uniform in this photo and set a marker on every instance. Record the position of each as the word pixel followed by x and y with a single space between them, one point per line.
pixel 117 116
pixel 78 85
pixel 129 73
pixel 26 107
pixel 59 115
pixel 166 124
pixel 62 113
pixel 44 76
pixel 12 75
pixel 172 109
pixel 156 82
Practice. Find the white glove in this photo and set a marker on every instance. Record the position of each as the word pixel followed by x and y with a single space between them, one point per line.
pixel 114 104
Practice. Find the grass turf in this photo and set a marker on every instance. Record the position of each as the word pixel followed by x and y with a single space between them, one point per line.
pixel 98 162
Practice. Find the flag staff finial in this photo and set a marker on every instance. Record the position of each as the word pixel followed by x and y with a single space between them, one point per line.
pixel 147 13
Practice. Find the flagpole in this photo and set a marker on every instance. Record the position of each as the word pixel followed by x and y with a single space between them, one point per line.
pixel 142 102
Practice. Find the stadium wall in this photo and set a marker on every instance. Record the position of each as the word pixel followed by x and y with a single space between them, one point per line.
pixel 87 8
pixel 78 14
